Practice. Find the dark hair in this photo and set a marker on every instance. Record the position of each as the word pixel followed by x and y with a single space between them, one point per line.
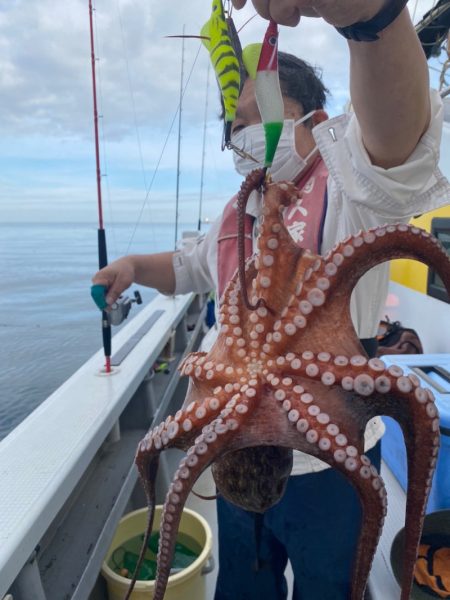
pixel 301 82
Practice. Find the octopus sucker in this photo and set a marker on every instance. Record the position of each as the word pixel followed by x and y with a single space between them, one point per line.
pixel 286 372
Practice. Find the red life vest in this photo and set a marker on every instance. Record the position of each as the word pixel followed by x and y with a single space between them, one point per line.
pixel 303 219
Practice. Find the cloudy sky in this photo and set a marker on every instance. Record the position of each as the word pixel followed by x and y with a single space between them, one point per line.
pixel 47 168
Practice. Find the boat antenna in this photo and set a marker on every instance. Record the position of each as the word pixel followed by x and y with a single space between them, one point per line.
pixel 177 197
pixel 203 150
pixel 101 236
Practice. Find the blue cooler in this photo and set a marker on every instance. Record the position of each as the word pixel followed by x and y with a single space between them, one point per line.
pixel 433 371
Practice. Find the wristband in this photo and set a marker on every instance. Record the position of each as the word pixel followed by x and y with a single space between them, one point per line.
pixel 366 31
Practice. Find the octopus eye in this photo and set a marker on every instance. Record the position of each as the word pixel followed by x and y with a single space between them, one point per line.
pixel 273 40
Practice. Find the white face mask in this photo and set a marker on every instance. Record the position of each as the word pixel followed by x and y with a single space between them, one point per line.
pixel 287 164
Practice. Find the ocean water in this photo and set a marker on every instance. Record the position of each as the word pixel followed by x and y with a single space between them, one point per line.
pixel 49 326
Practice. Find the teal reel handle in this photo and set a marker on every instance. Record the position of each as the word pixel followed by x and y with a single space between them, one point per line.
pixel 98 293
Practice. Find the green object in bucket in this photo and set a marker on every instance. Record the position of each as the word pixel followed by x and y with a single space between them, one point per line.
pixel 126 556
pixel 147 571
pixel 183 554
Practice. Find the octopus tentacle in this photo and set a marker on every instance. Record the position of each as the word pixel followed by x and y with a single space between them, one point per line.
pixel 207 446
pixel 233 325
pixel 321 366
pixel 276 270
pixel 410 404
pixel 176 432
pixel 180 430
pixel 243 332
pixel 323 436
pixel 253 329
pixel 206 370
pixel 148 470
pixel 190 359
pixel 355 373
pixel 415 410
pixel 252 182
pixel 332 284
pixel 298 289
pixel 375 497
pixel 329 444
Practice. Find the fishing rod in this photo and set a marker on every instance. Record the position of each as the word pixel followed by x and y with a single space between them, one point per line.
pixel 120 309
pixel 101 235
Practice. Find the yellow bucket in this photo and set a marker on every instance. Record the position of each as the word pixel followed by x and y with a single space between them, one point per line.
pixel 188 584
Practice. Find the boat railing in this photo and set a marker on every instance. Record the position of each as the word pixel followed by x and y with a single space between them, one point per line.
pixel 67 470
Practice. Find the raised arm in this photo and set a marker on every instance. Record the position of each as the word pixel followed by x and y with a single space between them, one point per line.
pixel 390 92
pixel 388 77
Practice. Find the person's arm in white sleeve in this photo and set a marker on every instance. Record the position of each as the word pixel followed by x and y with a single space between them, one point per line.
pixel 195 265
pixel 179 272
pixel 400 192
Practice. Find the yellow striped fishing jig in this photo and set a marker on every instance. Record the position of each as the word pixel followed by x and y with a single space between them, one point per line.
pixel 222 42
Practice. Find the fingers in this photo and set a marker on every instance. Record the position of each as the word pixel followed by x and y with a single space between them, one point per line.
pixel 116 290
pixel 262 6
pixel 285 12
pixel 116 277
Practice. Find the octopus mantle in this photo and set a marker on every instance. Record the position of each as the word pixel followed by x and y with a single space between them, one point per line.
pixel 288 372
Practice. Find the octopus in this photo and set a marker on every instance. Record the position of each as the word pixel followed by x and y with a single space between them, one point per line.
pixel 288 371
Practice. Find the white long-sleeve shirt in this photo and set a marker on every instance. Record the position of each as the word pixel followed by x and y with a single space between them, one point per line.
pixel 360 196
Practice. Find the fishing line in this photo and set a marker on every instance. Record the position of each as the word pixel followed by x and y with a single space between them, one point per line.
pixel 414 12
pixel 133 105
pixel 163 150
pixel 203 149
pixel 177 193
pixel 246 23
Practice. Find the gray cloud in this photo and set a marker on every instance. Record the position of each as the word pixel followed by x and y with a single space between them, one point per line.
pixel 45 80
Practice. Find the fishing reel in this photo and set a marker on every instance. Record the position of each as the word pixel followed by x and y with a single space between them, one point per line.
pixel 121 307
pixel 118 311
